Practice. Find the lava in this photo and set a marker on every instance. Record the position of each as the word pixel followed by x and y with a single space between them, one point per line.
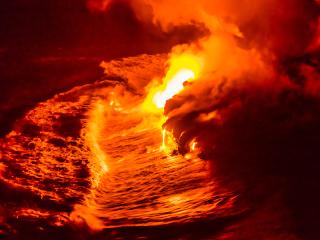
pixel 123 169
pixel 197 135
pixel 182 68
pixel 92 136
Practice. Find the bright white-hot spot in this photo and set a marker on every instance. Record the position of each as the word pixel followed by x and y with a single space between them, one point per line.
pixel 182 68
pixel 173 87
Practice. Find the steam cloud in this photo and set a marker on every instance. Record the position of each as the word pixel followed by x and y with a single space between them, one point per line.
pixel 260 79
pixel 255 110
pixel 260 82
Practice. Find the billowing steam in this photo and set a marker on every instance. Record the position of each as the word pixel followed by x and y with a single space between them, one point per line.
pixel 257 95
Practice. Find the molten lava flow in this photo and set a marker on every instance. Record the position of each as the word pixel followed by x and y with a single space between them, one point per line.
pixel 92 136
pixel 109 168
pixel 182 68
pixel 145 185
pixel 173 87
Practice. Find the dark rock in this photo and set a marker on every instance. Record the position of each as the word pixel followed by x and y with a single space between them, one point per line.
pixel 58 142
pixel 30 129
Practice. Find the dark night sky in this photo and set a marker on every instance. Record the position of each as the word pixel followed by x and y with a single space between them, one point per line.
pixel 38 24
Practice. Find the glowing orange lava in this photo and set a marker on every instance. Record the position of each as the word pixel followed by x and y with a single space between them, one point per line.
pixel 182 68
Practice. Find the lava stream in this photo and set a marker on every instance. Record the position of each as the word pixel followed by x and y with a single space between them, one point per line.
pixel 95 155
pixel 146 185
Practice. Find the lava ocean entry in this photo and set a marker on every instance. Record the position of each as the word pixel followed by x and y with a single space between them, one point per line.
pixel 211 133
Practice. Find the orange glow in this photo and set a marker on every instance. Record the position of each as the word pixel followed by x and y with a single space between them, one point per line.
pixel 118 159
pixel 173 87
pixel 92 135
pixel 193 145
pixel 182 68
pixel 186 140
pixel 206 117
pixel 168 142
pixel 163 145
